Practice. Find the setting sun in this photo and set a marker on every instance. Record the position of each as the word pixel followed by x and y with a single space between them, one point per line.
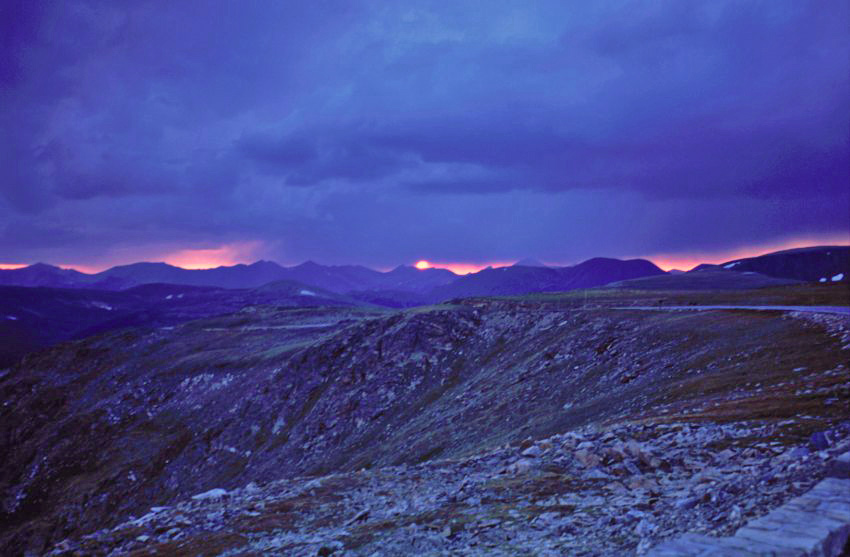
pixel 459 268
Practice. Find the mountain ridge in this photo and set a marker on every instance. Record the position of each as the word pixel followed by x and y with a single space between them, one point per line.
pixel 410 285
pixel 507 281
pixel 336 278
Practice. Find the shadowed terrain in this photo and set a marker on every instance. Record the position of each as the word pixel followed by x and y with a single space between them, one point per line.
pixel 33 318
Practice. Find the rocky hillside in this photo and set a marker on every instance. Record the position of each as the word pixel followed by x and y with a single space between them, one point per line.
pixel 454 427
pixel 612 491
pixel 37 317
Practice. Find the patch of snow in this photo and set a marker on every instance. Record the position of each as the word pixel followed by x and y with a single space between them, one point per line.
pixel 822 279
pixel 11 318
pixel 169 296
pixel 205 381
pixel 198 380
pixel 225 381
pixel 307 293
pixel 730 265
pixel 102 305
pixel 211 494
pixel 179 296
pixel 142 520
pixel 839 276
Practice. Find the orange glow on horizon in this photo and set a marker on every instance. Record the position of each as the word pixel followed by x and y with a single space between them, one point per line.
pixel 247 252
pixel 87 269
pixel 460 268
pixel 687 261
pixel 207 258
pixel 81 268
pixel 210 258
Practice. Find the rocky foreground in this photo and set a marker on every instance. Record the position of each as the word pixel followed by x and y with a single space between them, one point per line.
pixel 595 491
pixel 556 423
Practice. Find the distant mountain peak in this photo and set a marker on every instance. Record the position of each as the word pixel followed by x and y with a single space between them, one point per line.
pixel 410 269
pixel 50 269
pixel 148 264
pixel 309 264
pixel 43 266
pixel 528 262
pixel 263 263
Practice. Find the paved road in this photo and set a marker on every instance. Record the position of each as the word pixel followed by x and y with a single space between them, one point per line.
pixel 270 327
pixel 844 310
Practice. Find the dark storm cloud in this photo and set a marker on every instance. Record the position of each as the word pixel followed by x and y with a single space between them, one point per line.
pixel 19 21
pixel 310 158
pixel 373 132
pixel 26 235
pixel 454 186
pixel 279 152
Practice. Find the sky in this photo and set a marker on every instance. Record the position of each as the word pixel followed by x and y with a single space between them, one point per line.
pixel 467 132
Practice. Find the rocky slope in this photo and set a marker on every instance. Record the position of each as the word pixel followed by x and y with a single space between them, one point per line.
pixel 534 422
pixel 610 491
pixel 32 318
